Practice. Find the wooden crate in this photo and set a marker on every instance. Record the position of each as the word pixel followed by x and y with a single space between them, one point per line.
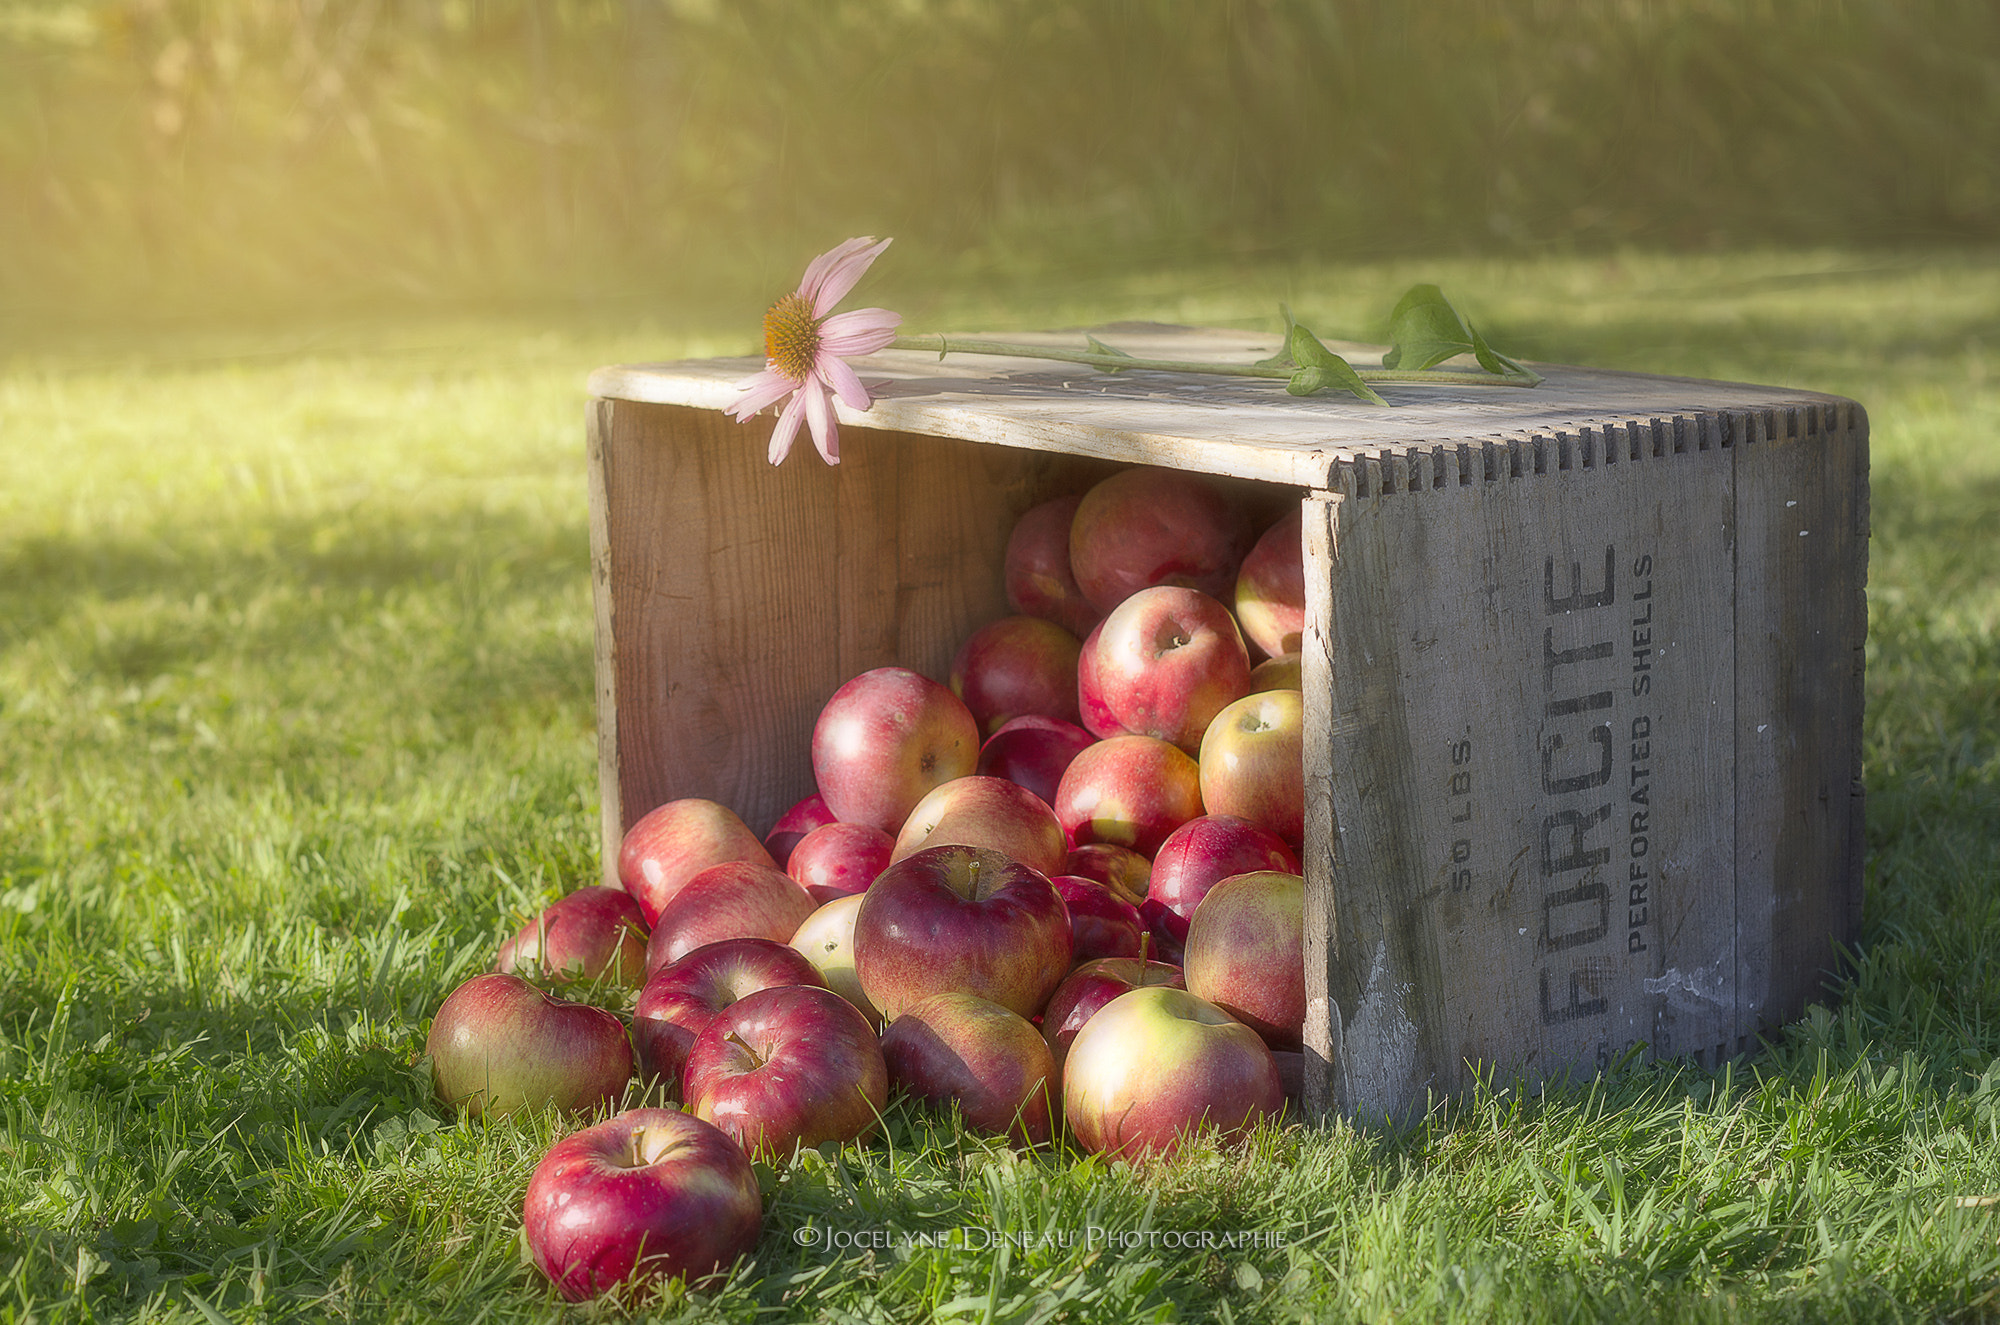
pixel 1583 664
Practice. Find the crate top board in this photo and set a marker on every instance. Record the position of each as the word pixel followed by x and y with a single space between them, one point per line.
pixel 1242 427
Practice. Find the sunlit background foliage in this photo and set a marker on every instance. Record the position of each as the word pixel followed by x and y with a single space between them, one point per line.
pixel 221 154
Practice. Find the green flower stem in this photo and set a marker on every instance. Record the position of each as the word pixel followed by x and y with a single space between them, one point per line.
pixel 944 345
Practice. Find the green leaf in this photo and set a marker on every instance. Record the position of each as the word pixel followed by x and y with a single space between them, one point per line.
pixel 1495 362
pixel 1283 358
pixel 1099 347
pixel 1320 369
pixel 1425 330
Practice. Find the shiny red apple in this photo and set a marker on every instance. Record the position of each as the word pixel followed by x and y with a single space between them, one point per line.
pixel 1014 666
pixel 1166 661
pixel 984 812
pixel 1143 527
pixel 1130 791
pixel 837 859
pixel 1157 1067
pixel 787 1067
pixel 682 997
pixel 1200 854
pixel 961 918
pixel 1246 953
pixel 675 842
pixel 499 1046
pixel 1038 578
pixel 593 933
pixel 957 1047
pixel 1270 593
pixel 738 900
pixel 884 740
pixel 648 1194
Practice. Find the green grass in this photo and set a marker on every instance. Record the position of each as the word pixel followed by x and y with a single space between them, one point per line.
pixel 295 713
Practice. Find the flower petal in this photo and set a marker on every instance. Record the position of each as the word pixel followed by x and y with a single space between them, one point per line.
pixel 788 423
pixel 819 416
pixel 846 384
pixel 766 388
pixel 848 264
pixel 862 331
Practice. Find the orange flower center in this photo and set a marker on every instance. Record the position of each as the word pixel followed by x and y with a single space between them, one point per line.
pixel 791 337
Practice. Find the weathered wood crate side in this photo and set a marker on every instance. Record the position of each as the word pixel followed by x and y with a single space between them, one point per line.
pixel 1583 760
pixel 733 599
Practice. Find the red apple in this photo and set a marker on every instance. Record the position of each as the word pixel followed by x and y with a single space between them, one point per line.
pixel 961 918
pixel 826 939
pixel 1089 987
pixel 677 841
pixel 1283 672
pixel 739 900
pixel 793 825
pixel 684 996
pixel 590 934
pixel 787 1067
pixel 884 740
pixel 1121 869
pixel 992 1062
pixel 1017 665
pixel 499 1046
pixel 1039 582
pixel 1093 709
pixel 1271 588
pixel 1100 923
pixel 834 860
pixel 1253 762
pixel 1033 752
pixel 1131 791
pixel 1143 527
pixel 1246 953
pixel 1166 661
pixel 1200 854
pixel 992 813
pixel 649 1194
pixel 1157 1066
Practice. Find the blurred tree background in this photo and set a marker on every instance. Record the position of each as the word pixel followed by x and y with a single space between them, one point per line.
pixel 166 157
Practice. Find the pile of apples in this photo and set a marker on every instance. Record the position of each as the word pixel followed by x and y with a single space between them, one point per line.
pixel 1062 890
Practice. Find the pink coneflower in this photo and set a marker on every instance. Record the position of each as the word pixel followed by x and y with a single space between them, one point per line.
pixel 806 351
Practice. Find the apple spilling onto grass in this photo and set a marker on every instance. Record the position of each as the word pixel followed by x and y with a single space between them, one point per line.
pixel 1091 986
pixel 960 1047
pixel 594 933
pixel 1200 854
pixel 740 899
pixel 678 840
pixel 959 918
pixel 787 1067
pixel 500 1046
pixel 1156 1067
pixel 648 1194
pixel 1246 953
pixel 681 999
